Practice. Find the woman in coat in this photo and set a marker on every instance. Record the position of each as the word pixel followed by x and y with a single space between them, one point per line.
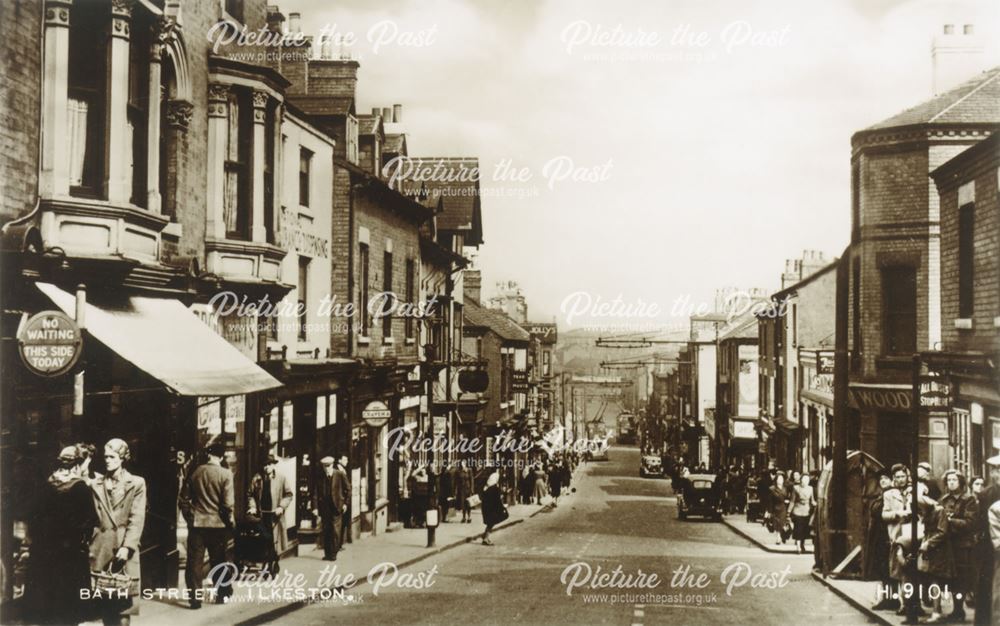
pixel 541 481
pixel 779 507
pixel 269 505
pixel 59 561
pixel 935 561
pixel 555 483
pixel 494 511
pixel 463 489
pixel 960 509
pixel 876 550
pixel 802 505
pixel 120 500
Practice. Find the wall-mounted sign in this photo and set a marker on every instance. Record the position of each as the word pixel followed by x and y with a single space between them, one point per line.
pixel 473 381
pixel 545 333
pixel 883 397
pixel 376 414
pixel 742 429
pixel 440 426
pixel 50 343
pixel 520 381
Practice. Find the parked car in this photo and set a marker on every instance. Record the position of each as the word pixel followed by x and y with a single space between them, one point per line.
pixel 699 495
pixel 650 465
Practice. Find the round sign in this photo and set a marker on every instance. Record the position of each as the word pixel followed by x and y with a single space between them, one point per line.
pixel 50 343
pixel 376 414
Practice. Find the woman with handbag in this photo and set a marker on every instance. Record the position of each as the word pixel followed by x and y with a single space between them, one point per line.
pixel 494 512
pixel 802 506
pixel 120 500
pixel 779 508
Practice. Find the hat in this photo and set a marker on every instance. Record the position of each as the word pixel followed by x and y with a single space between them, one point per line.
pixel 925 465
pixel 272 458
pixel 327 460
pixel 993 461
pixel 69 454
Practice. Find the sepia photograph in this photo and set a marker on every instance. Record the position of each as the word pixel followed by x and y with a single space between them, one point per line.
pixel 524 312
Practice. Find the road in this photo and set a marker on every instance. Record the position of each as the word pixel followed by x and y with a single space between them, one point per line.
pixel 615 519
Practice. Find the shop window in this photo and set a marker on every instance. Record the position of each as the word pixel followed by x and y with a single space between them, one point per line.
pixel 303 295
pixel 87 97
pixel 305 164
pixel 966 259
pixel 899 306
pixel 364 264
pixel 386 290
pixel 236 207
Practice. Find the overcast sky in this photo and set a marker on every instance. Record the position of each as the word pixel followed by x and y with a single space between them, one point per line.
pixel 720 138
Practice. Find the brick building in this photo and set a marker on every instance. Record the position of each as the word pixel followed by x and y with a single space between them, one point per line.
pixel 894 279
pixel 970 302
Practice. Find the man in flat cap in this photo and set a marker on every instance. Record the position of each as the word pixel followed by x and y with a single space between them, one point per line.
pixel 268 497
pixel 329 504
pixel 207 502
pixel 984 588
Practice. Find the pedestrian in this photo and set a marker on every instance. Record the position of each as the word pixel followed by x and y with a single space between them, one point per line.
pixel 445 490
pixel 345 521
pixel 267 499
pixel 555 483
pixel 541 481
pixel 526 483
pixel 802 506
pixel 991 609
pixel 120 501
pixel 977 486
pixel 764 484
pixel 207 506
pixel 895 514
pixel 876 551
pixel 960 511
pixel 779 508
pixel 421 492
pixel 494 512
pixel 988 561
pixel 330 504
pixel 925 476
pixel 935 558
pixel 62 526
pixel 463 490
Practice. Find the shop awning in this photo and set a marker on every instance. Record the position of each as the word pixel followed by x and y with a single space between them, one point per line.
pixel 163 338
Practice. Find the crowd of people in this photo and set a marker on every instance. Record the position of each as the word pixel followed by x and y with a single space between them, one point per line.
pixel 952 556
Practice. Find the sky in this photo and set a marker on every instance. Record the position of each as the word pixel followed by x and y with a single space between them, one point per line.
pixel 646 151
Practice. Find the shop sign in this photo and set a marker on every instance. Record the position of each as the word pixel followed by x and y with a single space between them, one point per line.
pixel 236 411
pixel 824 362
pixel 440 426
pixel 50 343
pixel 886 398
pixel 520 381
pixel 376 414
pixel 821 382
pixel 545 333
pixel 742 429
pixel 287 431
pixel 320 412
pixel 935 393
pixel 209 415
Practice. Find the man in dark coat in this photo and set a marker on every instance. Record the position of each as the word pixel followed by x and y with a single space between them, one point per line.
pixel 330 504
pixel 59 565
pixel 984 588
pixel 207 503
pixel 445 490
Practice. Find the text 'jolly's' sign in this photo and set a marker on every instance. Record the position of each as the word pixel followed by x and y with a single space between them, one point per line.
pixel 50 343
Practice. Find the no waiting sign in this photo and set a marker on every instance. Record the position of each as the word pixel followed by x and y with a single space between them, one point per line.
pixel 50 343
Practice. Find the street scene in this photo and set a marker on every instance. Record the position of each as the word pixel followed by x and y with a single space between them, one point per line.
pixel 470 312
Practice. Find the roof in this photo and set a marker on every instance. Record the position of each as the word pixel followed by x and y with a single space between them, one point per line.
pixel 456 181
pixel 742 327
pixel 323 105
pixel 805 281
pixel 368 124
pixel 477 315
pixel 975 101
pixel 952 171
pixel 395 144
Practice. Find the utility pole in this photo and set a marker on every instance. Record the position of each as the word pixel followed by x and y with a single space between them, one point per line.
pixel 838 485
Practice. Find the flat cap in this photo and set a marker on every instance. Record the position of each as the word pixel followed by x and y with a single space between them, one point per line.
pixel 993 461
pixel 327 460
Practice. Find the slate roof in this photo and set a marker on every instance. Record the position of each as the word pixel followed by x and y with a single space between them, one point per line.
pixel 323 105
pixel 456 181
pixel 395 144
pixel 367 124
pixel 975 101
pixel 479 316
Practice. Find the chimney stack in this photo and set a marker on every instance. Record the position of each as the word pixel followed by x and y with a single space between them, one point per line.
pixel 473 282
pixel 956 56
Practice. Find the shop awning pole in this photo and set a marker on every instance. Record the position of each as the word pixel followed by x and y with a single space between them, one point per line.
pixel 80 318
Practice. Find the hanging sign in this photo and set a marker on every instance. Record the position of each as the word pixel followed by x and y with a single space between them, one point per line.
pixel 376 414
pixel 50 343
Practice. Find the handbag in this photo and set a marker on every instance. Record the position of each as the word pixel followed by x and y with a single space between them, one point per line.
pixel 504 514
pixel 109 584
pixel 473 500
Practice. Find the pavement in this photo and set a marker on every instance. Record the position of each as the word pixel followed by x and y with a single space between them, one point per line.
pixel 758 534
pixel 862 594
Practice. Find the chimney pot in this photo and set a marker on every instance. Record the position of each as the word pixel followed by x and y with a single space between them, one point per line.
pixel 949 29
pixel 387 114
pixel 293 23
pixel 969 29
pixel 376 111
pixel 397 111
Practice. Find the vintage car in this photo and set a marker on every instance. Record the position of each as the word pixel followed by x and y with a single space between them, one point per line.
pixel 650 465
pixel 699 496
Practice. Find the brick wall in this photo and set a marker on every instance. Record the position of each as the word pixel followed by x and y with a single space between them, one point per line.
pixel 20 66
pixel 983 336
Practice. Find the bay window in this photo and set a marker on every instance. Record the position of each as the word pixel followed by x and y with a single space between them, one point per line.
pixel 236 194
pixel 86 98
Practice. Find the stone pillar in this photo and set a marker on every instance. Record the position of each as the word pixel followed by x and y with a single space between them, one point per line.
pixel 218 108
pixel 258 231
pixel 54 175
pixel 177 114
pixel 117 185
pixel 153 138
